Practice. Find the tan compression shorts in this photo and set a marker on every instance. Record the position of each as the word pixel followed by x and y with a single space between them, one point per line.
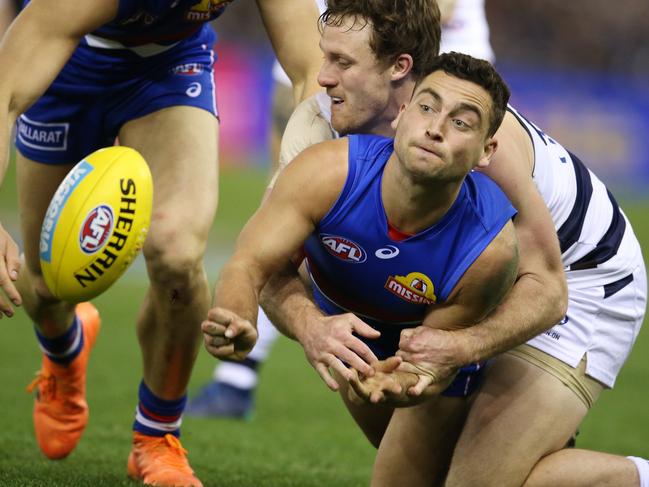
pixel 585 387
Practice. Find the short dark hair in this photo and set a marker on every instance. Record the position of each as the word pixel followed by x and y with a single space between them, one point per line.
pixel 398 27
pixel 483 74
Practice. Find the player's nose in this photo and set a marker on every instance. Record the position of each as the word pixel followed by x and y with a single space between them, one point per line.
pixel 326 77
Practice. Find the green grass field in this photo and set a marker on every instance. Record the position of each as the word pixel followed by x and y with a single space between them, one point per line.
pixel 300 435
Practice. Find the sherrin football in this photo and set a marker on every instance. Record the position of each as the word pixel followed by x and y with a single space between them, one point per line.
pixel 96 223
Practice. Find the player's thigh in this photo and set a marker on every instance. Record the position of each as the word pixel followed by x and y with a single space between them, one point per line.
pixel 180 144
pixel 37 183
pixel 521 414
pixel 418 443
pixel 372 419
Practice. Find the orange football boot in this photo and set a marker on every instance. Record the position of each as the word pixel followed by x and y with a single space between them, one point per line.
pixel 160 460
pixel 60 408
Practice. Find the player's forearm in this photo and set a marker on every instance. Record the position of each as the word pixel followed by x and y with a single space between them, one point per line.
pixel 237 290
pixel 533 305
pixel 287 302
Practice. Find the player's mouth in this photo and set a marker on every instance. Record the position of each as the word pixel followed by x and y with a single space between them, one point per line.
pixel 429 150
pixel 336 100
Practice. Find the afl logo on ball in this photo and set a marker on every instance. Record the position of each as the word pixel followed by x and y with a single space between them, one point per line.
pixel 96 229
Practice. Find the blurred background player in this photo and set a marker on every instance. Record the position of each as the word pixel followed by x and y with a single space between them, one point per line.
pixel 143 72
pixel 231 391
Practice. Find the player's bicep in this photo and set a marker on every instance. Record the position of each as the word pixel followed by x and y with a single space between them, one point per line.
pixel 305 127
pixel 304 193
pixel 482 287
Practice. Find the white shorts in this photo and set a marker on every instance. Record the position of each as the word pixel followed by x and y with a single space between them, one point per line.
pixel 606 307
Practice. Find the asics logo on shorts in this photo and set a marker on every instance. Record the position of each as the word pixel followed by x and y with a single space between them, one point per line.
pixel 194 90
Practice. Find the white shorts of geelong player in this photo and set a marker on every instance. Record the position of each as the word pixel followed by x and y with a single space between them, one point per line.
pixel 602 328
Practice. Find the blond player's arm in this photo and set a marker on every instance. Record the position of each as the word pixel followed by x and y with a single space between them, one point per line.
pixel 278 229
pixel 446 10
pixel 306 126
pixel 33 51
pixel 292 27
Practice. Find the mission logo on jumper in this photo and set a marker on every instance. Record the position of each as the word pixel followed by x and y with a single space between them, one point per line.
pixel 44 136
pixel 343 248
pixel 415 288
pixel 206 9
pixel 96 229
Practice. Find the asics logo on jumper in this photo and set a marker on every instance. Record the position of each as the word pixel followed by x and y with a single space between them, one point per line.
pixel 387 252
pixel 194 90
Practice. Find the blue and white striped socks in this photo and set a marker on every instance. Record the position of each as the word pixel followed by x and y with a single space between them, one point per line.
pixel 158 417
pixel 64 348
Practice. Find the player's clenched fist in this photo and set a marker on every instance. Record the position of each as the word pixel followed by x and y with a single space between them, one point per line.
pixel 227 335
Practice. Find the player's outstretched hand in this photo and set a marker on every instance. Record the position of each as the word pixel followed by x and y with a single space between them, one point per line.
pixel 387 386
pixel 227 335
pixel 9 268
pixel 329 343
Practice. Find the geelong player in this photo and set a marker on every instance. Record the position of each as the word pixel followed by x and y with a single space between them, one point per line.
pixel 399 233
pixel 566 220
pixel 140 70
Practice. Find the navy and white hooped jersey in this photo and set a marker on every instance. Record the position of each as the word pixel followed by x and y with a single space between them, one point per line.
pixel 589 223
pixel 356 266
pixel 157 22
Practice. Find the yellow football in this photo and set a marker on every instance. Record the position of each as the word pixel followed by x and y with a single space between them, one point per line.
pixel 96 223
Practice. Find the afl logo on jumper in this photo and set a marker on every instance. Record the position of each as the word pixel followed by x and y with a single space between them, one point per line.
pixel 415 288
pixel 343 248
pixel 96 229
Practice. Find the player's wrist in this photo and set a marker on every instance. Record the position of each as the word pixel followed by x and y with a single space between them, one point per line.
pixel 303 319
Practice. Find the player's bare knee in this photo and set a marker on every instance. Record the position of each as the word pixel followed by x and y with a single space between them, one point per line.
pixel 41 291
pixel 175 265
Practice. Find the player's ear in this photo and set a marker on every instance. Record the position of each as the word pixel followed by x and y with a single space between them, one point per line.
pixel 488 150
pixel 402 67
pixel 395 122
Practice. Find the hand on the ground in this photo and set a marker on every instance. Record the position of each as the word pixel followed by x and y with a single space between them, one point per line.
pixel 329 342
pixel 387 386
pixel 227 335
pixel 9 268
pixel 432 354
